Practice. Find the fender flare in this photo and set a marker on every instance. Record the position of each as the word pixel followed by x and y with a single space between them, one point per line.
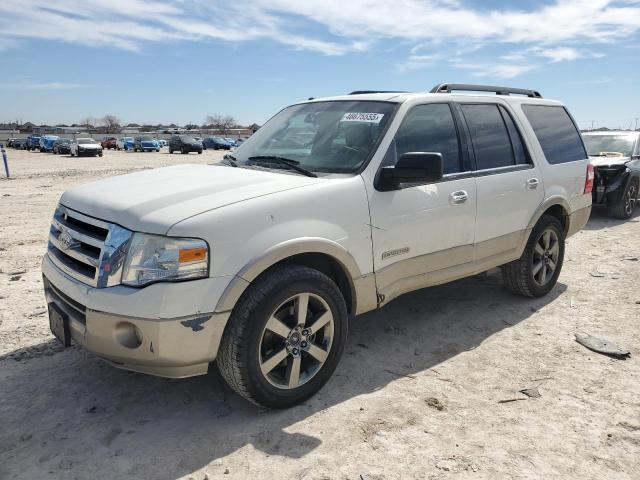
pixel 282 251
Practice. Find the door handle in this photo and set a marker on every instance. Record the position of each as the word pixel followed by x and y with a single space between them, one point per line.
pixel 458 198
pixel 533 183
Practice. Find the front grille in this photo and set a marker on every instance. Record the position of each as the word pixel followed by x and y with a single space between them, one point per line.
pixel 87 249
pixel 72 308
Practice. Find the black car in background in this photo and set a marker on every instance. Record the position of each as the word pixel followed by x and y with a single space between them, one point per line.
pixel 62 146
pixel 19 143
pixel 615 157
pixel 184 144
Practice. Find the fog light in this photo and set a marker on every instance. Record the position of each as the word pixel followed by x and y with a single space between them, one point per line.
pixel 128 335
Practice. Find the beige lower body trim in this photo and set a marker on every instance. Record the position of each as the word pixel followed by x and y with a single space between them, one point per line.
pixel 578 220
pixel 448 265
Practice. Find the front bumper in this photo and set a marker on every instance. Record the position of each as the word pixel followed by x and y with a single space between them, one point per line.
pixel 92 152
pixel 157 330
pixel 609 184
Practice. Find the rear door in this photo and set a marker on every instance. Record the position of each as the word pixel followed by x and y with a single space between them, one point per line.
pixel 509 185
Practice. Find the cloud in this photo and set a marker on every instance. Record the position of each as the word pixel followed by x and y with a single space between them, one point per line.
pixel 42 86
pixel 332 27
pixel 497 70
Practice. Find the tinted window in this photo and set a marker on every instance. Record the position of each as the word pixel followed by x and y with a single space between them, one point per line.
pixel 430 128
pixel 489 136
pixel 556 132
pixel 517 144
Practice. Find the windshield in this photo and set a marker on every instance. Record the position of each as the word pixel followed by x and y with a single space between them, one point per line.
pixel 84 141
pixel 186 138
pixel 602 145
pixel 333 137
pixel 147 139
pixel 64 140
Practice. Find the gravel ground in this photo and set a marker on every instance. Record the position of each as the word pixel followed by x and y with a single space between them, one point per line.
pixel 417 394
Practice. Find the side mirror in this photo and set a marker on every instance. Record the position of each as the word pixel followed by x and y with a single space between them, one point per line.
pixel 414 167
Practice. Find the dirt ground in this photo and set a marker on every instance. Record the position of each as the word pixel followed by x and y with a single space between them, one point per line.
pixel 417 394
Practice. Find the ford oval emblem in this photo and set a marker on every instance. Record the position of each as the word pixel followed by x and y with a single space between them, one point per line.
pixel 66 240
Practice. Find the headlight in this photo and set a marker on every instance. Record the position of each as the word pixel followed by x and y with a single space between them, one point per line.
pixel 155 258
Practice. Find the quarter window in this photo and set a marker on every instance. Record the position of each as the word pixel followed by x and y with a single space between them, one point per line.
pixel 556 132
pixel 489 136
pixel 429 128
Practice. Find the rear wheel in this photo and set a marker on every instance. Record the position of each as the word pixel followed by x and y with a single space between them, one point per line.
pixel 183 150
pixel 624 208
pixel 284 338
pixel 536 272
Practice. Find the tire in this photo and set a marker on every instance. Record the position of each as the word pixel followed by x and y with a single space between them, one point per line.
pixel 170 150
pixel 532 274
pixel 624 208
pixel 183 151
pixel 245 338
pixel 199 152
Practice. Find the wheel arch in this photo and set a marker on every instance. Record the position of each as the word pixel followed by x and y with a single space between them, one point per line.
pixel 557 207
pixel 324 255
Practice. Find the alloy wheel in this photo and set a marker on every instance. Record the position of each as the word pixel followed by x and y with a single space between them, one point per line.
pixel 630 199
pixel 545 257
pixel 296 341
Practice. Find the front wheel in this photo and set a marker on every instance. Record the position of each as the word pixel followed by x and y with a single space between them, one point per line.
pixel 624 208
pixel 536 272
pixel 285 337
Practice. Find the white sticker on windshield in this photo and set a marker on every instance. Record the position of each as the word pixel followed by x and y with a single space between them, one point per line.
pixel 362 117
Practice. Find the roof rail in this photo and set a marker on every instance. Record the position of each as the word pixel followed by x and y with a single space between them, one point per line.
pixel 361 92
pixel 469 87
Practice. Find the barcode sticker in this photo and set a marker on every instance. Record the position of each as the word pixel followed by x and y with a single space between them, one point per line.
pixel 362 117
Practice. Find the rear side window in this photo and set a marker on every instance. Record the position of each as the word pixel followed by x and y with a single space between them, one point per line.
pixel 489 135
pixel 556 132
pixel 430 128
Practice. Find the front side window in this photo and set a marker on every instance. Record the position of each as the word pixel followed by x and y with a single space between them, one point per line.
pixel 428 128
pixel 556 132
pixel 332 137
pixel 489 136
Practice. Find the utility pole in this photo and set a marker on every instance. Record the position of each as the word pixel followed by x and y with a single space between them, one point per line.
pixel 636 123
pixel 592 121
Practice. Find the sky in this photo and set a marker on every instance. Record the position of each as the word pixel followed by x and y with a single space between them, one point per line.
pixel 177 61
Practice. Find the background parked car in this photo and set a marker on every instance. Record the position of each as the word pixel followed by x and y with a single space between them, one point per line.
pixel 85 147
pixel 20 143
pixel 62 146
pixel 216 143
pixel 46 142
pixel 616 160
pixel 109 142
pixel 231 141
pixel 10 142
pixel 33 142
pixel 145 144
pixel 124 143
pixel 184 144
pixel 162 142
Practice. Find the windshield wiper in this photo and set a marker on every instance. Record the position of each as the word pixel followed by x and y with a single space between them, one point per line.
pixel 292 164
pixel 231 160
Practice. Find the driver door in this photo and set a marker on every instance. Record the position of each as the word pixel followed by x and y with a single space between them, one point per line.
pixel 423 234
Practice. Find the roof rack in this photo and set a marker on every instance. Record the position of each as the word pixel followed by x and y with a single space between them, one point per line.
pixel 469 87
pixel 361 92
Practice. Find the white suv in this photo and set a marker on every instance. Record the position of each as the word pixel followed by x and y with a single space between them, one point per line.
pixel 333 208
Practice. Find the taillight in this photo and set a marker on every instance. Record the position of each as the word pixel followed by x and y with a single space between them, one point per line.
pixel 588 183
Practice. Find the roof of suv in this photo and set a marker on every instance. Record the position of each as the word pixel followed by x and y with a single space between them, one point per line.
pixel 403 97
pixel 445 90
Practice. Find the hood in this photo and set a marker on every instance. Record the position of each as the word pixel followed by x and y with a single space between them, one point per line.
pixel 608 161
pixel 89 145
pixel 152 201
